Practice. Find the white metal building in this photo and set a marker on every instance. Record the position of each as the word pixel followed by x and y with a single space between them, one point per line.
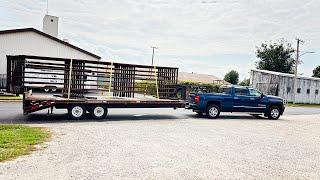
pixel 282 84
pixel 30 41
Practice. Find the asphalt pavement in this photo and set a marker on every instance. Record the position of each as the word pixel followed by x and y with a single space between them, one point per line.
pixel 11 112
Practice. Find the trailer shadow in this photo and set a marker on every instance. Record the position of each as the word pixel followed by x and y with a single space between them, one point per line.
pixel 64 118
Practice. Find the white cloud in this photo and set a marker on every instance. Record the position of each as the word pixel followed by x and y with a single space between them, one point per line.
pixel 189 29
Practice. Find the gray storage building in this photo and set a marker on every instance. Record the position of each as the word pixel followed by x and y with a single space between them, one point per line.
pixel 282 84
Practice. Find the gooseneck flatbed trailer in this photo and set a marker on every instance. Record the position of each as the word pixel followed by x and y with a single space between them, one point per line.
pixel 82 86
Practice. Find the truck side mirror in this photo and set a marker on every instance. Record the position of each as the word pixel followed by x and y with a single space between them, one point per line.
pixel 262 95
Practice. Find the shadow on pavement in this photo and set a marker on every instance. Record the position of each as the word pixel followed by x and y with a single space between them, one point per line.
pixel 233 117
pixel 64 118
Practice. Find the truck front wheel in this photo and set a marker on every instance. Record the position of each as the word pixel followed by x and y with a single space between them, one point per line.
pixel 274 113
pixel 98 112
pixel 77 112
pixel 213 111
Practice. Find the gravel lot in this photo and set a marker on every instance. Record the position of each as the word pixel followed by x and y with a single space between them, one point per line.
pixel 169 148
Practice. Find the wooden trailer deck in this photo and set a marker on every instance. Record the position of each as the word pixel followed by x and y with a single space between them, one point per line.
pixel 38 102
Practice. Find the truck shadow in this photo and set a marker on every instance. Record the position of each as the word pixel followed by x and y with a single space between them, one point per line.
pixel 230 117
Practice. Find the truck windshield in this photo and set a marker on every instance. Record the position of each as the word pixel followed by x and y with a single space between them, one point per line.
pixel 224 90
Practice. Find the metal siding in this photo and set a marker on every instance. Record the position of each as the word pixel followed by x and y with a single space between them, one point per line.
pixel 286 81
pixel 31 43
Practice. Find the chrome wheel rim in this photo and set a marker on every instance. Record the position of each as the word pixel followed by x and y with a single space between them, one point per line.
pixel 98 111
pixel 77 111
pixel 213 111
pixel 274 113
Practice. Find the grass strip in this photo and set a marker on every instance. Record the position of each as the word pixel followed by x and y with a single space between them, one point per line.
pixel 17 140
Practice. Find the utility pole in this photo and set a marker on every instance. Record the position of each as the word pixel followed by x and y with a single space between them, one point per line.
pixel 296 71
pixel 47 7
pixel 153 48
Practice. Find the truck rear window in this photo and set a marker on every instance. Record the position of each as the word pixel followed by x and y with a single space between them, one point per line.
pixel 224 90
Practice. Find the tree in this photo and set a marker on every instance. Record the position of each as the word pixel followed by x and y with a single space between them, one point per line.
pixel 276 57
pixel 232 77
pixel 245 82
pixel 316 72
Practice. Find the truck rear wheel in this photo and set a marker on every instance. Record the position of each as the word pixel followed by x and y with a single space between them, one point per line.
pixel 213 111
pixel 274 113
pixel 98 111
pixel 77 112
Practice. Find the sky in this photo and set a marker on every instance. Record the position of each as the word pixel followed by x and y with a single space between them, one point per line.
pixel 201 36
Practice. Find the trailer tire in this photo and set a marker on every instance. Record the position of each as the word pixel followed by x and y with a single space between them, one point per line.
pixel 98 111
pixel 46 90
pixel 77 112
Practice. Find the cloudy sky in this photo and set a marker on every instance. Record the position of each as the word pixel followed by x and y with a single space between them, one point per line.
pixel 203 36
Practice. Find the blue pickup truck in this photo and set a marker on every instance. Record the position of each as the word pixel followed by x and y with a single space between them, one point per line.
pixel 236 99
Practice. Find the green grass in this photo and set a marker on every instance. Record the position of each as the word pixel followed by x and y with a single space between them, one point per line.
pixel 16 140
pixel 303 105
pixel 8 98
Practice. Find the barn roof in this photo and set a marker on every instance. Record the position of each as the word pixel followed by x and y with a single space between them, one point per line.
pixel 285 74
pixel 50 37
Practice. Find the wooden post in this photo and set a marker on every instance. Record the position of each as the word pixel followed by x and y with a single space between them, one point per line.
pixel 156 78
pixel 110 79
pixel 70 76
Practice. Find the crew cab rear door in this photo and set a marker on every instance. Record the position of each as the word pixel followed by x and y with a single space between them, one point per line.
pixel 241 99
pixel 247 100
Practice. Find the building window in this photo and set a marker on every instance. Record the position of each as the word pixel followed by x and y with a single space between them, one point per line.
pixel 317 91
pixel 308 91
pixel 299 90
pixel 288 89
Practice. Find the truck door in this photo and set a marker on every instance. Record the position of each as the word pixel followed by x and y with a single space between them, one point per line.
pixel 255 104
pixel 241 99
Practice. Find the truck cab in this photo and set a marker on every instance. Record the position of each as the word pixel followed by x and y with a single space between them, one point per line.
pixel 236 99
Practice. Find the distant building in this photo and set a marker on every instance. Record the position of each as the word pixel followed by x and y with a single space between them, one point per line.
pixel 30 41
pixel 202 78
pixel 282 84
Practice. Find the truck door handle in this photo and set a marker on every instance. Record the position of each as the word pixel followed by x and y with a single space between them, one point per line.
pixel 251 98
pixel 236 98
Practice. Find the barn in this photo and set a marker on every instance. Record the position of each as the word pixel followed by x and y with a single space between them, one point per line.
pixel 30 41
pixel 282 84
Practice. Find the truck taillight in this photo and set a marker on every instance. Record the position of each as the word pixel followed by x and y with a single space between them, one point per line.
pixel 197 99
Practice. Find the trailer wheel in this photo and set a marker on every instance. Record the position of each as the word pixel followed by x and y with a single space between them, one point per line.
pixel 46 90
pixel 77 112
pixel 98 111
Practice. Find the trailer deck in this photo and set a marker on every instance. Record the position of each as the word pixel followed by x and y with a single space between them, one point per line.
pixel 43 101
